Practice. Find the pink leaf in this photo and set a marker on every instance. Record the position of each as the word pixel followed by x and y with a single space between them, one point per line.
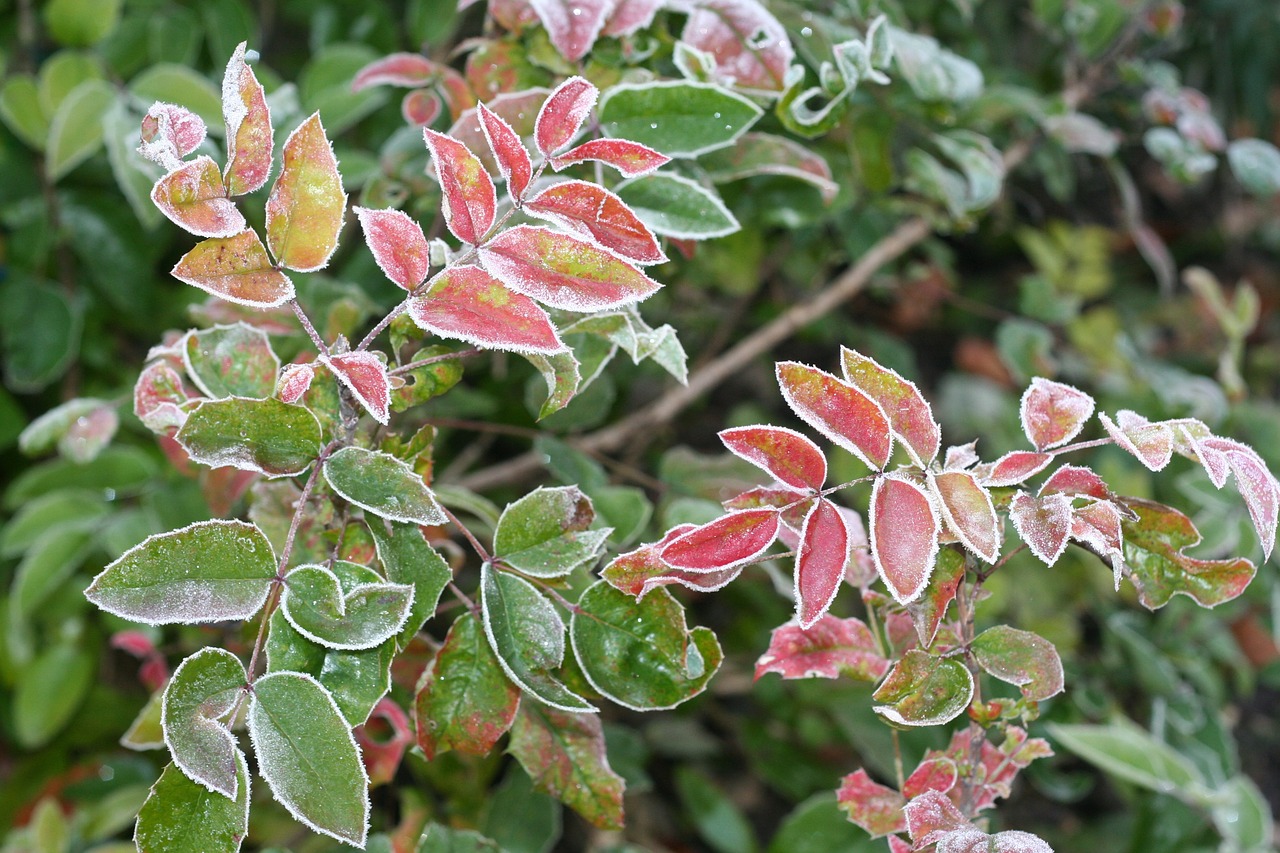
pixel 968 511
pixel 573 25
pixel 1193 439
pixel 236 269
pixel 1151 443
pixel 158 397
pixel 794 507
pixel 1053 413
pixel 908 412
pixel 1012 468
pixel 420 107
pixel 961 456
pixel 820 561
pixel 193 197
pixel 872 806
pixel 729 541
pixel 250 137
pixel 630 16
pixel 518 109
pixel 567 107
pixel 841 412
pixel 295 380
pixel 897 845
pixel 1076 480
pixel 829 648
pixel 563 271
pixel 785 454
pixel 469 199
pixel 1257 486
pixel 366 376
pixel 514 15
pixel 904 535
pixel 509 152
pixel 467 303
pixel 398 245
pixel 1098 526
pixel 306 206
pixel 169 133
pixel 594 213
pixel 931 816
pixel 399 69
pixel 1043 523
pixel 934 774
pixel 970 839
pixel 630 158
pixel 750 47
pixel 641 571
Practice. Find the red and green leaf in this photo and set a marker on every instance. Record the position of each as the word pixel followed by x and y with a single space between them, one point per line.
pixel 1044 523
pixel 784 454
pixel 566 109
pixel 750 47
pixel 1153 554
pixel 924 690
pixel 931 816
pixel 968 511
pixel 909 414
pixel 1076 481
pixel 1021 658
pixel 630 158
pixel 729 541
pixel 1053 413
pixel 564 754
pixel 594 213
pixel 409 70
pixel 467 303
pixel 639 572
pixel 306 205
pixel 841 412
pixel 820 561
pixel 420 107
pixel 169 133
pixel 365 376
pixel 294 382
pixel 236 269
pixel 573 25
pixel 248 123
pixel 509 152
pixel 230 361
pixel 1152 443
pixel 1012 468
pixel 829 648
pixel 933 774
pixel 928 610
pixel 904 535
pixel 193 197
pixel 398 245
pixel 872 806
pixel 158 396
pixel 469 199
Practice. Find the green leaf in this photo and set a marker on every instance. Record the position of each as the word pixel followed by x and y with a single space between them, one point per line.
pixel 267 436
pixel 362 617
pixel 1242 816
pixel 325 84
pixel 426 382
pixel 211 571
pixel 42 703
pixel 924 690
pixel 62 73
pixel 147 729
pixel 407 558
pixel 441 839
pixel 383 485
pixel 75 131
pixel 1155 562
pixel 308 756
pixel 627 509
pixel 713 814
pixel 676 118
pixel 564 755
pixel 204 688
pixel 527 634
pixel 178 84
pixel 560 372
pixel 1124 750
pixel 181 815
pixel 81 23
pixel 544 533
pixel 47 564
pixel 1022 658
pixel 231 361
pixel 640 654
pixel 44 433
pixel 675 206
pixel 818 826
pixel 1256 165
pixel 22 112
pixel 39 331
pixel 123 470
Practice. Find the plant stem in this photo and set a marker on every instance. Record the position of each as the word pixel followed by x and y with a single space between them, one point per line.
pixel 308 327
pixel 435 359
pixel 475 543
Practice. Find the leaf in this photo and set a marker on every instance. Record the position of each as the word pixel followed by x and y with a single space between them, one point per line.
pixel 676 118
pixel 544 534
pixel 820 561
pixel 362 617
pixel 1012 468
pixel 306 205
pixel 408 559
pixel 573 25
pixel 397 69
pixel 228 361
pixel 924 690
pixel 1257 485
pixel 639 572
pixel 42 706
pixel 630 158
pixel 678 207
pixel 308 756
pixel 383 485
pixel 560 371
pixel 466 701
pixel 904 535
pixel 181 815
pixel 1021 658
pixel 365 376
pixel 1076 481
pixel 756 154
pixel 931 816
pixel 594 213
pixel 563 271
pixel 1256 165
pixel 928 610
pixel 785 454
pixel 169 133
pixel 829 648
pixel 750 47
pixel 1043 523
pixel 46 565
pixel 1124 750
pixel 248 125
pixel 1153 554
pixel 75 130
pixel 1151 443
pixel 398 245
pixel 266 435
pixel 1053 413
pixel 466 303
pixel 509 152
pixel 442 839
pixel 469 199
pixel 934 774
pixel 567 107
pixel 210 571
pixel 51 428
pixel 22 112
pixel 236 269
pixel 420 107
pixel 729 541
pixel 40 330
pixel 193 197
pixel 295 380
pixel 841 412
pixel 145 731
pixel 968 511
pixel 641 654
pixel 204 689
pixel 906 409
pixel 564 754
pixel 874 807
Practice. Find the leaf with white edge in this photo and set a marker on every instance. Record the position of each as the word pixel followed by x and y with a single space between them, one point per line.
pixel 397 69
pixel 307 202
pixel 909 414
pixel 928 610
pixel 630 16
pixel 193 197
pixel 211 571
pixel 1021 658
pixel 1043 523
pixel 567 107
pixel 630 158
pixel 408 559
pixel 970 839
pixel 1155 562
pixel 236 269
pixel 308 756
pixel 1256 165
pixel 788 456
pixel 294 382
pixel 961 456
pixel 841 412
pixel 247 117
pixel 204 688
pixel 750 47
pixel 509 152
pixel 365 376
pixel 924 690
pixel 1124 750
pixel 564 755
pixel 267 436
pixel 1053 413
pixel 594 213
pixel 1257 485
pixel 729 541
pixel 466 303
pixel 904 527
pixel 756 154
pixel 398 245
pixel 678 207
pixel 383 485
pixel 563 271
pixel 829 648
pixel 932 816
pixel 872 806
pixel 420 107
pixel 1097 525
pixel 560 371
pixel 820 561
pixel 518 109
pixel 679 119
pixel 1012 468
pixel 1077 481
pixel 361 618
pixel 182 815
pixel 968 511
pixel 231 361
pixel 170 133
pixel 544 534
pixel 1152 443
pixel 573 25
pixel 48 430
pixel 527 634
pixel 146 732
pixel 469 200
pixel 933 774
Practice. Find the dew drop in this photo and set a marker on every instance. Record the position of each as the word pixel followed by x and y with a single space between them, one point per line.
pixel 653 125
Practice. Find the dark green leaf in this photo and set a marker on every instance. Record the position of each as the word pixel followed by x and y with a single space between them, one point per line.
pixel 407 558
pixel 267 436
pixel 544 533
pixel 39 330
pixel 713 814
pixel 520 819
pixel 564 755
pixel 679 119
pixel 116 470
pixel 204 688
pixel 1155 562
pixel 181 815
pixel 47 564
pixel 383 485
pixel 678 207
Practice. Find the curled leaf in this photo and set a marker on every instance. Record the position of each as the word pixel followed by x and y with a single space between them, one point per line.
pixel 924 690
pixel 398 245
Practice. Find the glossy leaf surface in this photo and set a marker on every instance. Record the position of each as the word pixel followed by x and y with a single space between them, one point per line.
pixel 544 533
pixel 181 815
pixel 1021 658
pixel 841 412
pixel 924 690
pixel 820 561
pixel 307 202
pixel 904 527
pixel 675 118
pixel 675 206
pixel 383 485
pixel 729 541
pixel 204 688
pixel 829 648
pixel 566 109
pixel 564 755
pixel 236 269
pixel 592 212
pixel 788 456
pixel 358 618
pixel 469 199
pixel 909 414
pixel 194 198
pixel 398 245
pixel 1053 413
pixel 265 435
pixel 1153 554
pixel 467 303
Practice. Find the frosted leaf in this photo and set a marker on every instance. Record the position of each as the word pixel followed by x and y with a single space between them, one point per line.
pixel 383 485
pixel 968 511
pixel 1077 481
pixel 1053 413
pixel 1021 658
pixel 872 806
pixel 230 361
pixel 904 526
pixel 820 561
pixel 1098 526
pixel 782 453
pixel 204 688
pixel 366 377
pixel 236 269
pixel 398 69
pixel 363 617
pixel 631 16
pixel 294 381
pixel 1257 486
pixel 750 47
pixel 169 133
pixel 398 245
pixel 158 397
pixel 594 213
pixel 924 690
pixel 729 541
pixel 910 416
pixel 573 25
pixel 420 107
pixel 509 152
pixel 564 112
pixel 931 816
pixel 193 197
pixel 1012 468
pixel 630 158
pixel 467 303
pixel 1044 523
pixel 1152 443
pixel 829 648
pixel 250 137
pixel 934 774
pixel 841 412
pixel 306 205
pixel 263 435
pixel 961 456
pixel 468 200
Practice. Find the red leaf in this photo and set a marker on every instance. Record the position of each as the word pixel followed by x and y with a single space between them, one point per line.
pixel 1151 443
pixel 1012 468
pixel 793 505
pixel 592 212
pixel 1257 486
pixel 573 25
pixel 420 107
pixel 382 755
pixel 513 15
pixel 750 47
pixel 1053 413
pixel 926 612
pixel 908 412
pixel 729 541
pixel 860 570
pixel 306 205
pixel 1043 523
pixel 467 303
pixel 630 16
pixel 250 137
pixel 630 158
pixel 398 69
pixel 169 133
pixel 398 245
pixel 193 197
pixel 295 380
pixel 236 269
pixel 829 648
pixel 841 412
pixel 563 271
pixel 366 376
pixel 874 807
pixel 1076 480
pixel 510 153
pixel 968 511
pixel 897 845
pixel 904 535
pixel 469 199
pixel 785 454
pixel 639 572
pixel 934 774
pixel 1098 526
pixel 820 561
pixel 567 107
pixel 931 816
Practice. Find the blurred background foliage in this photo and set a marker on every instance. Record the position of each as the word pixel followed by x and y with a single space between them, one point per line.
pixel 1071 274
